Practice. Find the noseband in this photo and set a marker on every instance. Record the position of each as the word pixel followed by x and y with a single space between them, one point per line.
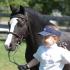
pixel 15 34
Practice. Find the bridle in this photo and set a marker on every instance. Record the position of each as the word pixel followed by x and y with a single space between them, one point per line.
pixel 12 32
pixel 15 34
pixel 19 37
pixel 28 25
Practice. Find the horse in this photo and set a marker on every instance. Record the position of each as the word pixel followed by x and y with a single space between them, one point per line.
pixel 25 23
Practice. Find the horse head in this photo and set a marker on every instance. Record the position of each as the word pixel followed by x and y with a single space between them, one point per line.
pixel 18 28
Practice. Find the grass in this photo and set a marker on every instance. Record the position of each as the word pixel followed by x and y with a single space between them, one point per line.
pixel 19 57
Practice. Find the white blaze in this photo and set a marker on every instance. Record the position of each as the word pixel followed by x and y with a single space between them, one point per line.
pixel 13 23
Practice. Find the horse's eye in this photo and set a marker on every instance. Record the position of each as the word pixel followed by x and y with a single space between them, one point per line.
pixel 19 24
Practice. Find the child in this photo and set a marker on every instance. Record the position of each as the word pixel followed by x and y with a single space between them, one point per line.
pixel 50 56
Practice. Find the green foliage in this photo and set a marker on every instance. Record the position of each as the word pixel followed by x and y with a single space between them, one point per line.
pixel 44 6
pixel 38 7
pixel 20 2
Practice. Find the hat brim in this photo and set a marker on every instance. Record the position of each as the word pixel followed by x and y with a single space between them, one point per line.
pixel 43 33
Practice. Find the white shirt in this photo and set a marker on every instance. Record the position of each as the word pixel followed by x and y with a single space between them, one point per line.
pixel 52 58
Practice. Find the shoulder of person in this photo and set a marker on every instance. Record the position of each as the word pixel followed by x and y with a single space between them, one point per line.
pixel 40 48
pixel 63 50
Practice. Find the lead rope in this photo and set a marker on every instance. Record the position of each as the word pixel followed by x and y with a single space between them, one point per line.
pixel 9 56
pixel 14 62
pixel 20 67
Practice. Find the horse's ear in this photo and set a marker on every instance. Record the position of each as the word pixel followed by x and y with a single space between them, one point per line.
pixel 14 8
pixel 11 7
pixel 22 9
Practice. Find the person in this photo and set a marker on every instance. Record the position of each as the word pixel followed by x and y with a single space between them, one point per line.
pixel 49 54
pixel 54 24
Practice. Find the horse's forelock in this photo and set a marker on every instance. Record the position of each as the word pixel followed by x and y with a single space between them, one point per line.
pixel 13 20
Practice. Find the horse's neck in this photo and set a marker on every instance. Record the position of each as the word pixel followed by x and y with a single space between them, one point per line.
pixel 36 25
pixel 65 40
pixel 33 12
pixel 65 36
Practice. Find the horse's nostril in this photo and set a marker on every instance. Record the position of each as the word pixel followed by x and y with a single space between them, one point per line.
pixel 10 45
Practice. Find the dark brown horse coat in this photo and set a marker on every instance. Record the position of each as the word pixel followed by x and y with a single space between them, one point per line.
pixel 32 22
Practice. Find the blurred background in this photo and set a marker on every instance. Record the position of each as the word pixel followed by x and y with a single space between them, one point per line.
pixel 46 7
